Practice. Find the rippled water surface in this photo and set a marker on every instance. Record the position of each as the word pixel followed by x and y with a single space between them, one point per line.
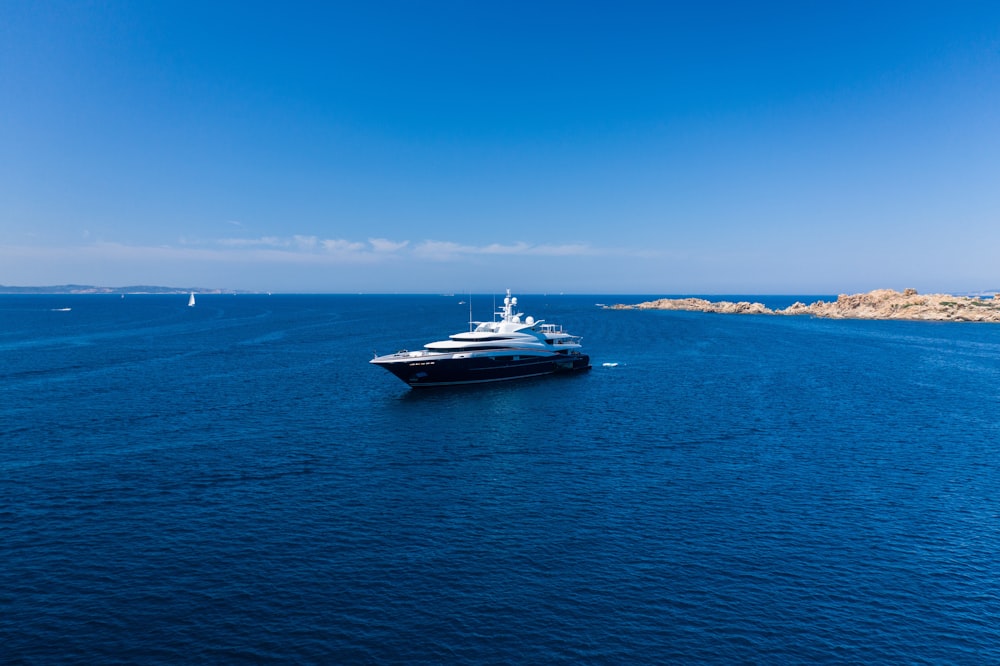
pixel 234 482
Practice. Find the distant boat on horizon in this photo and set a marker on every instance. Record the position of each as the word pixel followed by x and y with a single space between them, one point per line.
pixel 191 300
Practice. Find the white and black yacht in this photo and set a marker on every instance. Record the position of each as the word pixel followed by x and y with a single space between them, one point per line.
pixel 512 347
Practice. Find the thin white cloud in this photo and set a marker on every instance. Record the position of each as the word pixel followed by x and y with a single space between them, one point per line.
pixel 440 250
pixel 264 241
pixel 434 250
pixel 386 245
pixel 305 242
pixel 447 250
pixel 294 244
pixel 234 254
pixel 498 248
pixel 567 250
pixel 340 245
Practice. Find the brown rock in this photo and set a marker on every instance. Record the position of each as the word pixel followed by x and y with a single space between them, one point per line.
pixel 877 304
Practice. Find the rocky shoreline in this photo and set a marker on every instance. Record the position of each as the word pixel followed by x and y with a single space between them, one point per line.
pixel 877 304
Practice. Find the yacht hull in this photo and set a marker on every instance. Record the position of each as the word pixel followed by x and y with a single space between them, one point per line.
pixel 424 370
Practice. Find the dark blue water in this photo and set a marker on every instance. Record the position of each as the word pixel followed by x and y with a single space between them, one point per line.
pixel 235 483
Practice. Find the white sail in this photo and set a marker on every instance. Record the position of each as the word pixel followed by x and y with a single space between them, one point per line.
pixel 191 300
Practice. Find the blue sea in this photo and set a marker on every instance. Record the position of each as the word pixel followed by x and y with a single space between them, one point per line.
pixel 234 483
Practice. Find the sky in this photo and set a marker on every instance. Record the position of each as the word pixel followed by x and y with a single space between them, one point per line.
pixel 437 147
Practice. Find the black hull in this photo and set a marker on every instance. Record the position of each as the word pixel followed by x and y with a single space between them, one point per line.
pixel 424 372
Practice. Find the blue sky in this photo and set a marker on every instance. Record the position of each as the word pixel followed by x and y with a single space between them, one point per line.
pixel 654 148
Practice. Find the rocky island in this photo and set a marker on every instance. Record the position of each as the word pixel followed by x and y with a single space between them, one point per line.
pixel 877 304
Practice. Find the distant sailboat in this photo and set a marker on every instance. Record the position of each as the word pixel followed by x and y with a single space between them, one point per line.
pixel 191 300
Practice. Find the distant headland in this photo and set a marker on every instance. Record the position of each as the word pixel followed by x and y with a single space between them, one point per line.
pixel 877 304
pixel 134 289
